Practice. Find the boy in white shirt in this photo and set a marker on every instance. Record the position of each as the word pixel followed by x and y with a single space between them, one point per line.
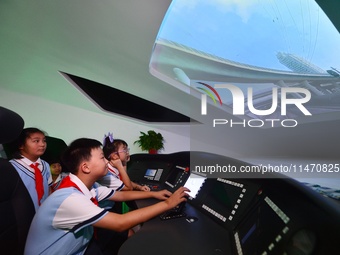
pixel 64 223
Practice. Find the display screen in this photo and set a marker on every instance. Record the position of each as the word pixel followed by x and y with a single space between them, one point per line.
pixel 223 198
pixel 150 174
pixel 263 229
pixel 194 184
pixel 153 174
pixel 177 177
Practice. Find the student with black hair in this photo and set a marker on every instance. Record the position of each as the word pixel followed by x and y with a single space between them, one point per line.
pixel 34 172
pixel 116 151
pixel 67 218
pixel 56 173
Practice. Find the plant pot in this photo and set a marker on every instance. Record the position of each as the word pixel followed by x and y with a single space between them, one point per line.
pixel 153 151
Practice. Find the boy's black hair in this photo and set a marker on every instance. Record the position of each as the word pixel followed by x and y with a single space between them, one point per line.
pixel 78 151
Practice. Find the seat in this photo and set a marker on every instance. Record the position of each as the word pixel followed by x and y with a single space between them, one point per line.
pixel 16 207
pixel 17 210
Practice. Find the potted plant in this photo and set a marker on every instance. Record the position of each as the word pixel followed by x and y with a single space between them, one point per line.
pixel 150 141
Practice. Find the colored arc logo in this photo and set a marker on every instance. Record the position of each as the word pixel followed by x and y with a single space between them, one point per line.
pixel 210 92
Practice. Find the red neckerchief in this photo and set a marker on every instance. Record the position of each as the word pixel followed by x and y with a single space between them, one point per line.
pixel 66 183
pixel 39 182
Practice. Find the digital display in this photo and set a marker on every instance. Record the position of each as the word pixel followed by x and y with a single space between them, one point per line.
pixel 153 174
pixel 177 177
pixel 223 198
pixel 194 184
pixel 262 230
pixel 150 174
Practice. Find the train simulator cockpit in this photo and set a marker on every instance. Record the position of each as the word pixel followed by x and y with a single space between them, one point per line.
pixel 269 215
pixel 235 103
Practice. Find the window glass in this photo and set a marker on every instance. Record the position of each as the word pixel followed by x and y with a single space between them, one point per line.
pixel 251 44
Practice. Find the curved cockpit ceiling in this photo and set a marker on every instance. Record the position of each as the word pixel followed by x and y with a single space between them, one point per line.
pixel 273 48
pixel 112 42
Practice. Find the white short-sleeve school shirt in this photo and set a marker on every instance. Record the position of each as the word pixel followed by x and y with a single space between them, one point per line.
pixel 26 173
pixel 111 179
pixel 63 223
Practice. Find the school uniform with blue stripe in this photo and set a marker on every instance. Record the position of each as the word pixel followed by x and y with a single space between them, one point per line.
pixel 26 173
pixel 63 223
